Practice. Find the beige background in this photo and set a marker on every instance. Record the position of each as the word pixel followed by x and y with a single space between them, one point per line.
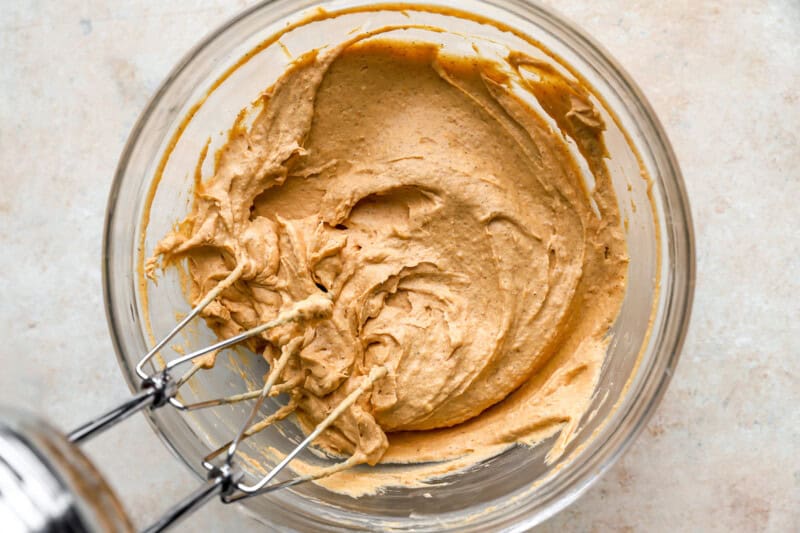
pixel 723 451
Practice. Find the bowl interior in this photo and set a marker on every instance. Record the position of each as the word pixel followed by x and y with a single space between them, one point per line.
pixel 514 487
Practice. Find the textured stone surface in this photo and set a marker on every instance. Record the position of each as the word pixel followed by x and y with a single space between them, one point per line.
pixel 723 451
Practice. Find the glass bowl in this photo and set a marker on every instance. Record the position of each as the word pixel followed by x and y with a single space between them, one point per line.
pixel 514 490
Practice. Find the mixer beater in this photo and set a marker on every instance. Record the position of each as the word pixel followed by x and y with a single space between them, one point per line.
pixel 28 461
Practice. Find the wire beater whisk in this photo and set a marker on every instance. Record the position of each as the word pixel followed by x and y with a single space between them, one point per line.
pixel 161 387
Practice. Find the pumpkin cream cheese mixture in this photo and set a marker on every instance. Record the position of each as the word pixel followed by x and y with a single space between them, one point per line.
pixel 438 202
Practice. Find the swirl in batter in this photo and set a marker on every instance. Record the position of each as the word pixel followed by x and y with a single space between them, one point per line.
pixel 447 219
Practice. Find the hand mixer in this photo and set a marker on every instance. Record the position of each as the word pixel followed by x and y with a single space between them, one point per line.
pixel 47 484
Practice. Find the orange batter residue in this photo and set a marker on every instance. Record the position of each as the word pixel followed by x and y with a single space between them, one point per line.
pixel 447 220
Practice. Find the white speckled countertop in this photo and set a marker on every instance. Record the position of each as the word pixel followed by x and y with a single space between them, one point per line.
pixel 723 451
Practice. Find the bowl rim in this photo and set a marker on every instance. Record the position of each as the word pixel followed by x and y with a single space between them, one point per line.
pixel 578 476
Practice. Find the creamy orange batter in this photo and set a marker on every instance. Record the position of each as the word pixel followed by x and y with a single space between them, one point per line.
pixel 446 218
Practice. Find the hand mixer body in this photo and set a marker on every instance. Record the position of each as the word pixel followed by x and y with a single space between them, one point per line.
pixel 48 485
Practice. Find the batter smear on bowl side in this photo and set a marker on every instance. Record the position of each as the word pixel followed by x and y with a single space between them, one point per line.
pixel 437 200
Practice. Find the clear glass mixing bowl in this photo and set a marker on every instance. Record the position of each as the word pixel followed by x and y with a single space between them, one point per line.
pixel 513 491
